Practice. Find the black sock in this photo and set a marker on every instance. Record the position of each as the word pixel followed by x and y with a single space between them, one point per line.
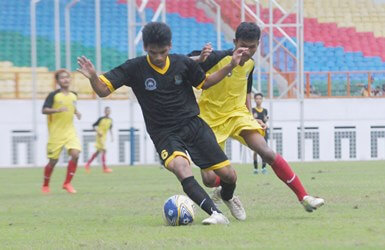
pixel 198 195
pixel 263 164
pixel 227 191
pixel 256 164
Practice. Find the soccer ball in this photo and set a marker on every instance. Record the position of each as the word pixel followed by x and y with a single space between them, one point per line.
pixel 178 210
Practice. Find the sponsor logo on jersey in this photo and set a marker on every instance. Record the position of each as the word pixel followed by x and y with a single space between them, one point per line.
pixel 178 79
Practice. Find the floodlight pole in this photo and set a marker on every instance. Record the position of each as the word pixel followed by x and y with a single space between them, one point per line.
pixel 34 76
pixel 57 35
pixel 67 18
pixel 98 45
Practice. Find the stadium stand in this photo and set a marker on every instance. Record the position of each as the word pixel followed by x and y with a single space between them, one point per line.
pixel 331 45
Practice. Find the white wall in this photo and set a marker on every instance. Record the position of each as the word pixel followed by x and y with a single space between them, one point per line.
pixel 322 114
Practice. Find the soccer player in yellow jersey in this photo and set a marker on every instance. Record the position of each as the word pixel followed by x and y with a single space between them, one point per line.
pixel 102 126
pixel 60 108
pixel 226 108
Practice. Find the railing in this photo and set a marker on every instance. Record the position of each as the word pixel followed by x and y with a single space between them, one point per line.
pixel 334 84
pixel 18 85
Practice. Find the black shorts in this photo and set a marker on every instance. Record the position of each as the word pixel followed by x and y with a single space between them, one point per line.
pixel 195 137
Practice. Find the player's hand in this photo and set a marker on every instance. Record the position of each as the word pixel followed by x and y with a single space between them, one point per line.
pixel 78 115
pixel 237 56
pixel 62 109
pixel 206 51
pixel 86 67
pixel 263 125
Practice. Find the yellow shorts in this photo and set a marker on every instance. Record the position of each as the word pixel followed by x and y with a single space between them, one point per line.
pixel 54 148
pixel 100 142
pixel 233 127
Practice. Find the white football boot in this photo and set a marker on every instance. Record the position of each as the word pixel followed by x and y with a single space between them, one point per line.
pixel 234 204
pixel 236 208
pixel 311 203
pixel 216 218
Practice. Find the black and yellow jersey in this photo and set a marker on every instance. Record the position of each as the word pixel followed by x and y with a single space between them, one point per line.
pixel 165 95
pixel 103 124
pixel 227 97
pixel 260 114
pixel 60 125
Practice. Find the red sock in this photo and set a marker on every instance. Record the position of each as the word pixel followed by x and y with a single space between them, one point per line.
pixel 47 174
pixel 217 182
pixel 92 158
pixel 286 174
pixel 71 169
pixel 104 160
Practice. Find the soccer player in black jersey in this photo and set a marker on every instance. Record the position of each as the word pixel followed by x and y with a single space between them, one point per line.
pixel 260 114
pixel 162 83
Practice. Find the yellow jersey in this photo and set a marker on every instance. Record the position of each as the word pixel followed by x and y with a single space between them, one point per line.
pixel 60 125
pixel 103 124
pixel 228 97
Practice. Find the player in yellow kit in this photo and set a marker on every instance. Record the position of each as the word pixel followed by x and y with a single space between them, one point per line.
pixel 226 108
pixel 60 108
pixel 102 126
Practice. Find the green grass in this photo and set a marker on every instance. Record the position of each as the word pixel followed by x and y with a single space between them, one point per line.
pixel 122 210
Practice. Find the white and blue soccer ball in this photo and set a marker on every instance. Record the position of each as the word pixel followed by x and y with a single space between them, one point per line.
pixel 178 210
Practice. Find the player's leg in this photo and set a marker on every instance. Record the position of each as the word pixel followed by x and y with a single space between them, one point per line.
pixel 88 164
pixel 48 169
pixel 264 170
pixel 255 162
pixel 71 169
pixel 171 150
pixel 53 151
pixel 73 147
pixel 281 168
pixel 105 168
pixel 208 155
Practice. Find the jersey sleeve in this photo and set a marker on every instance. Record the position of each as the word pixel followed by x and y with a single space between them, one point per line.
pixel 250 81
pixel 119 76
pixel 195 74
pixel 97 122
pixel 48 103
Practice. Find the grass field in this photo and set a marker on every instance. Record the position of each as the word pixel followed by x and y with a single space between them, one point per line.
pixel 122 210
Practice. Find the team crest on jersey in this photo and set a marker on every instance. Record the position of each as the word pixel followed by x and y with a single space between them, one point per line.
pixel 178 79
pixel 150 84
pixel 230 74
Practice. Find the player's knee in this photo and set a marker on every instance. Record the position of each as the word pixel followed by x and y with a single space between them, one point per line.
pixel 230 176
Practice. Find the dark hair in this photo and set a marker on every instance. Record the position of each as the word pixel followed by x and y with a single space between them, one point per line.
pixel 156 33
pixel 258 94
pixel 59 71
pixel 248 31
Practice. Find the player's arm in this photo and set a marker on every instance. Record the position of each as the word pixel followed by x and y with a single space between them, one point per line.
pixel 78 114
pixel 48 103
pixel 112 135
pixel 224 71
pixel 48 111
pixel 88 70
pixel 248 102
pixel 248 89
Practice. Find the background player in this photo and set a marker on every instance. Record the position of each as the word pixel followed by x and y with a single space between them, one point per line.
pixel 162 83
pixel 60 107
pixel 260 114
pixel 101 126
pixel 224 108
